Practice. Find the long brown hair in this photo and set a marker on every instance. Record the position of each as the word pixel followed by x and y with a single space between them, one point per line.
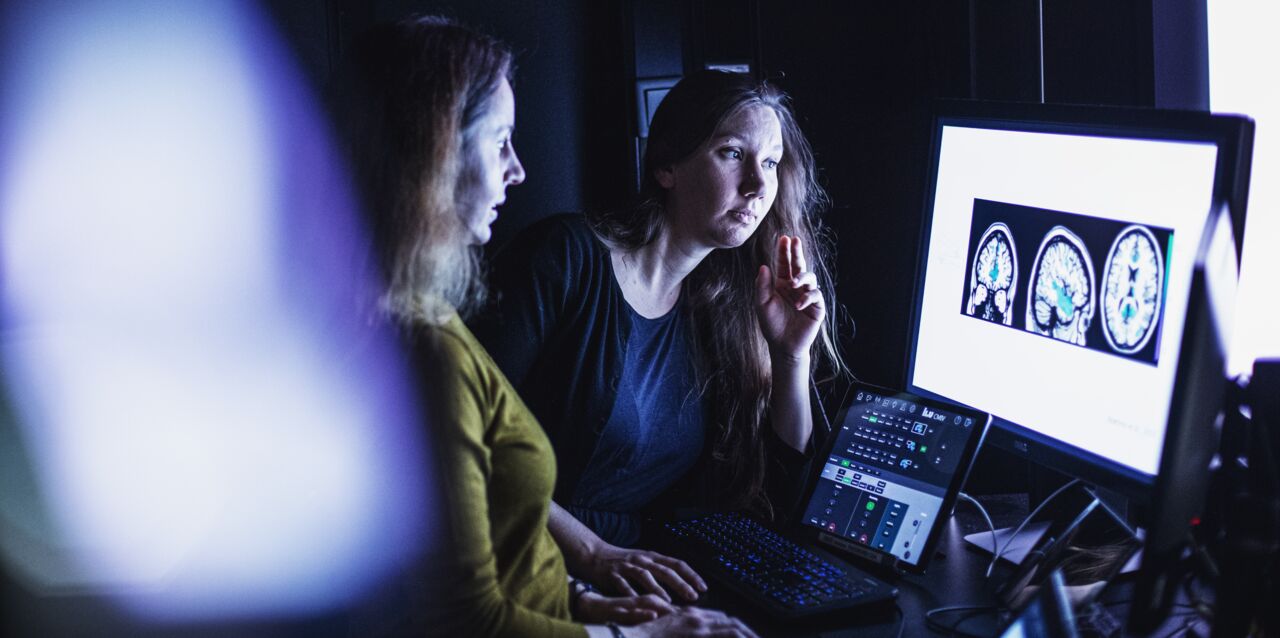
pixel 732 357
pixel 419 85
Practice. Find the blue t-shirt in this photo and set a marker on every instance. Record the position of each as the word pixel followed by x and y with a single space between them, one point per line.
pixel 654 434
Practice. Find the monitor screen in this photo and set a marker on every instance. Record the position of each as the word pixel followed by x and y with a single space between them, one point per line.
pixel 1055 272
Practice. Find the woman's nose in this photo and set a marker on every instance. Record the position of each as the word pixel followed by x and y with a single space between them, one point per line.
pixel 515 170
pixel 753 182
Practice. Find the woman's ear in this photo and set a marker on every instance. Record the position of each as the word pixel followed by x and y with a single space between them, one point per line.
pixel 666 176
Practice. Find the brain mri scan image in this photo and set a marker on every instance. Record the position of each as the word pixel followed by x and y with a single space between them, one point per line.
pixel 994 279
pixel 1131 287
pixel 1061 303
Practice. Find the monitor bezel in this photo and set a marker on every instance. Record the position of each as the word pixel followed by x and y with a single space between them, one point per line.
pixel 1230 185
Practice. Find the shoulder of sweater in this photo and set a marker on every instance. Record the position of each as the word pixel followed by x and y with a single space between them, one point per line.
pixel 452 344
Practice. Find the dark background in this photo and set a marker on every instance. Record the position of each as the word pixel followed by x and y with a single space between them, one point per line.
pixel 862 77
pixel 861 74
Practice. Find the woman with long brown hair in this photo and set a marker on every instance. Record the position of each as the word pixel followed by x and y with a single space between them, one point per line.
pixel 433 120
pixel 668 347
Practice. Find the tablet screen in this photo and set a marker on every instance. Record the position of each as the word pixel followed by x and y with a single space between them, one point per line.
pixel 895 464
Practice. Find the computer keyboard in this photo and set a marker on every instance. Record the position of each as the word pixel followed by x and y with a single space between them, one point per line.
pixel 770 569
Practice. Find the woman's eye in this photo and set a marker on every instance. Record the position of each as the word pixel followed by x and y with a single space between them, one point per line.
pixel 771 164
pixel 731 153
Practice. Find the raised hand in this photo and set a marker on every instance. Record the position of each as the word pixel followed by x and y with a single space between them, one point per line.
pixel 788 302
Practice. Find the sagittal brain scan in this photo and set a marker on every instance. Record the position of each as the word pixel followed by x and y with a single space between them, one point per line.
pixel 1131 287
pixel 994 279
pixel 1062 301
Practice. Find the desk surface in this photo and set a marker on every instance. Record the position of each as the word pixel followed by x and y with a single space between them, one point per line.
pixel 956 577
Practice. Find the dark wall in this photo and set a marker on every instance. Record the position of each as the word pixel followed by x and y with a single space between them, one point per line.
pixel 570 93
pixel 862 76
pixel 862 99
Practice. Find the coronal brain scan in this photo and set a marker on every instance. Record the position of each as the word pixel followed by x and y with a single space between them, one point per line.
pixel 1062 296
pixel 993 281
pixel 1131 287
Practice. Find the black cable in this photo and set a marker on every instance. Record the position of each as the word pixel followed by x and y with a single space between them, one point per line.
pixel 1197 603
pixel 1000 551
pixel 902 621
pixel 1129 601
pixel 1186 626
pixel 822 410
pixel 954 628
pixel 982 510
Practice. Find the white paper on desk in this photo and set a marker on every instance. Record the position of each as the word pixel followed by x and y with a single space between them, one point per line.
pixel 1027 539
pixel 1016 550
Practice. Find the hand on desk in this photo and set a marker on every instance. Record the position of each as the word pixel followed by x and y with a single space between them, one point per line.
pixel 692 621
pixel 625 610
pixel 649 615
pixel 629 572
pixel 625 572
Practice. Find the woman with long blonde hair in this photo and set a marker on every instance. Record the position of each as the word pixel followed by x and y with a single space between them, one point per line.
pixel 432 126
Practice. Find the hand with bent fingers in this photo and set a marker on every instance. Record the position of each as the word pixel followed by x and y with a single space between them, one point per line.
pixel 692 621
pixel 788 302
pixel 632 572
pixel 593 607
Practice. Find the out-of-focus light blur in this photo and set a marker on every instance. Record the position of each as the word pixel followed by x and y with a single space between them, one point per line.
pixel 1240 81
pixel 196 421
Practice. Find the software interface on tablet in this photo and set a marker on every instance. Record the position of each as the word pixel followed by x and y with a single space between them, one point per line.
pixel 890 466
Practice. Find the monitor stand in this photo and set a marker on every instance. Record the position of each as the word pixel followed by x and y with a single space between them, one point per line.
pixel 1016 550
pixel 1075 532
pixel 1070 505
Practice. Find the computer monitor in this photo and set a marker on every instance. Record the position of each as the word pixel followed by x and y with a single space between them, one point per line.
pixel 1198 398
pixel 1056 258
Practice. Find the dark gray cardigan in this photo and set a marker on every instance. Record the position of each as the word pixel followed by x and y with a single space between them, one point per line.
pixel 559 330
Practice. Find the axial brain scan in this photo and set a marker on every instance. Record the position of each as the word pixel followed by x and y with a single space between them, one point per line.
pixel 1062 295
pixel 1131 286
pixel 994 278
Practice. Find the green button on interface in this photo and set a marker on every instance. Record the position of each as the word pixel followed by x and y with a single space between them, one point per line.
pixel 844 463
pixel 873 419
pixel 871 505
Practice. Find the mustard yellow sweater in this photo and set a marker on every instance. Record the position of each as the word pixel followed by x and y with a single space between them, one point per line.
pixel 499 471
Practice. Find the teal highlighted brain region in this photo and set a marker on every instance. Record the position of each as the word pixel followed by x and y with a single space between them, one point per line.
pixel 1062 298
pixel 1132 283
pixel 994 278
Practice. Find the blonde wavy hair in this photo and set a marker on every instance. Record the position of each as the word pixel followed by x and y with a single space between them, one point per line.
pixel 419 86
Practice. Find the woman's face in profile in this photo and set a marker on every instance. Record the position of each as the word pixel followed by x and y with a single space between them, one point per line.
pixel 489 165
pixel 719 194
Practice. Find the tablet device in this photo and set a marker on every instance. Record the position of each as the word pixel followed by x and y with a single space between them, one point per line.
pixel 890 472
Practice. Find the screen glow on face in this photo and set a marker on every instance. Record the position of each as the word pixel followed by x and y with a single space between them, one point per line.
pixel 1131 290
